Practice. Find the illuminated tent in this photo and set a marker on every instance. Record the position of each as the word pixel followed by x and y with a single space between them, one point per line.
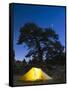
pixel 35 74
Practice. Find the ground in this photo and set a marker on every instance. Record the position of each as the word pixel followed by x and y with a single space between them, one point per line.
pixel 58 75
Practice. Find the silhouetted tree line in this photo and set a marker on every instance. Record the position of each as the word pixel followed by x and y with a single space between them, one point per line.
pixel 21 67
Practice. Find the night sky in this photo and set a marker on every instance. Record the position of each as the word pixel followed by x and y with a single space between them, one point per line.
pixel 43 16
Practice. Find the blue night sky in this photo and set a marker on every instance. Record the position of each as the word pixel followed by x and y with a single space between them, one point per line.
pixel 43 16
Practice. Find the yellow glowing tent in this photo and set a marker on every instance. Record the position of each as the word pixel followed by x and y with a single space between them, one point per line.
pixel 35 74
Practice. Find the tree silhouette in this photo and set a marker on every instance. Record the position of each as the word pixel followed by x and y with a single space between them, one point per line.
pixel 24 63
pixel 43 43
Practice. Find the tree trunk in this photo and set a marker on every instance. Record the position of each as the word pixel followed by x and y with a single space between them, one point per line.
pixel 40 53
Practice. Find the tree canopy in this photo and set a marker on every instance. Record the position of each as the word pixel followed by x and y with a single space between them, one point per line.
pixel 43 43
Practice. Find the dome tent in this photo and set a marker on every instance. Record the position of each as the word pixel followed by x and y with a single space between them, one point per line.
pixel 35 74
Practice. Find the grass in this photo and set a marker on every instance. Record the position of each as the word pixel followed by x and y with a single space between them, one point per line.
pixel 17 82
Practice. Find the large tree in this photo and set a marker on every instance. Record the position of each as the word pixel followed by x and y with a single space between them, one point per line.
pixel 42 42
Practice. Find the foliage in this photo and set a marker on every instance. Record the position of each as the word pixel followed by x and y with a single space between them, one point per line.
pixel 43 43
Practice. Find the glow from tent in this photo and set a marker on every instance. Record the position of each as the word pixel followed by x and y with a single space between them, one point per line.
pixel 34 74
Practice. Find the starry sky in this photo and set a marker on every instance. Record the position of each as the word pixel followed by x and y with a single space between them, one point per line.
pixel 43 16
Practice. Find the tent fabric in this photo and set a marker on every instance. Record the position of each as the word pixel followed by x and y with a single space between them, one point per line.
pixel 35 74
